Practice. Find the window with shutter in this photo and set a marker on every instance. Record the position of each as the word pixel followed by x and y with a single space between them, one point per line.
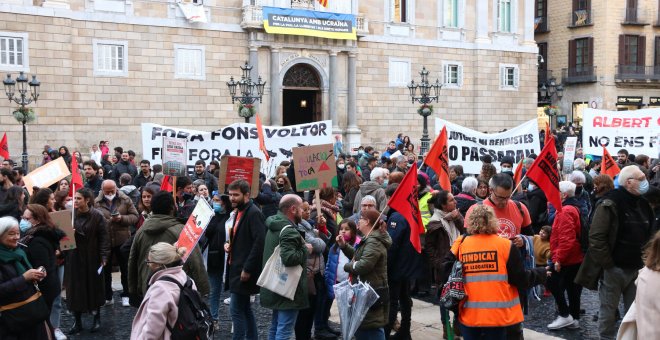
pixel 504 15
pixel 656 60
pixel 399 11
pixel 509 77
pixel 189 62
pixel 399 72
pixel 110 58
pixel 451 13
pixel 13 51
pixel 453 74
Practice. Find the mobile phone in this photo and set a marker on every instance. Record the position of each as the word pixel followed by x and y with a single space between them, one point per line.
pixel 41 269
pixel 115 214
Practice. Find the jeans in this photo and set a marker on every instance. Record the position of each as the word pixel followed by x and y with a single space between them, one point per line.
pixel 281 325
pixel 56 309
pixel 563 282
pixel 123 268
pixel 490 333
pixel 370 334
pixel 245 326
pixel 215 279
pixel 616 281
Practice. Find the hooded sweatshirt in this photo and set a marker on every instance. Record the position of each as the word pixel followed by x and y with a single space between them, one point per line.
pixel 370 188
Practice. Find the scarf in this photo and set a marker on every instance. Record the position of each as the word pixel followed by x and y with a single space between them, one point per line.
pixel 328 208
pixel 450 227
pixel 17 257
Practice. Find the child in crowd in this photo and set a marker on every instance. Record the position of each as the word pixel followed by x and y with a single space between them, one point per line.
pixel 542 250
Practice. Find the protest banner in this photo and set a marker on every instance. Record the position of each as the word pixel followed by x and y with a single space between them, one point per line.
pixel 173 156
pixel 46 174
pixel 569 154
pixel 315 167
pixel 239 139
pixel 62 220
pixel 466 146
pixel 233 168
pixel 635 131
pixel 195 227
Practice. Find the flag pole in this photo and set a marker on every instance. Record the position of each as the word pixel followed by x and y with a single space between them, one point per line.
pixel 73 206
pixel 517 186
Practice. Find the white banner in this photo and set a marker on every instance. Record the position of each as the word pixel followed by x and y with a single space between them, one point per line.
pixel 239 139
pixel 635 131
pixel 466 146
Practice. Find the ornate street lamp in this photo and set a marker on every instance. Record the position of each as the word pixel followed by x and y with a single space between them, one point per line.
pixel 427 93
pixel 547 92
pixel 246 97
pixel 23 115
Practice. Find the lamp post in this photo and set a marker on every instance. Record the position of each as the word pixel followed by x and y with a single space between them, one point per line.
pixel 427 93
pixel 22 98
pixel 246 97
pixel 549 90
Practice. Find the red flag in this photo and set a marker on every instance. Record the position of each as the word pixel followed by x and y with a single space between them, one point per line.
pixel 166 184
pixel 438 159
pixel 548 134
pixel 545 174
pixel 518 174
pixel 76 179
pixel 324 3
pixel 262 143
pixel 608 165
pixel 4 148
pixel 404 201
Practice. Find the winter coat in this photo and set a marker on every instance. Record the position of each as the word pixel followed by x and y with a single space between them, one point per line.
pixel 42 242
pixel 646 304
pixel 293 252
pixel 159 308
pixel 331 268
pixel 437 246
pixel 246 252
pixel 403 261
pixel 349 202
pixel 537 204
pixel 108 170
pixel 214 238
pixel 95 184
pixel 85 288
pixel 565 238
pixel 14 288
pixel 140 180
pixel 132 192
pixel 268 200
pixel 210 180
pixel 464 201
pixel 369 264
pixel 161 228
pixel 123 167
pixel 10 209
pixel 370 188
pixel 119 231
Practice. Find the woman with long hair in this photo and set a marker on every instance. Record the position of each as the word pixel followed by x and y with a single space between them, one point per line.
pixel 483 189
pixel 63 201
pixel 351 183
pixel 63 185
pixel 44 197
pixel 14 203
pixel 369 264
pixel 283 185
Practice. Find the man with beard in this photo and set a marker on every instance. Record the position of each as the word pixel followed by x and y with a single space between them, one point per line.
pixel 94 181
pixel 201 173
pixel 391 149
pixel 293 251
pixel 245 250
pixel 124 166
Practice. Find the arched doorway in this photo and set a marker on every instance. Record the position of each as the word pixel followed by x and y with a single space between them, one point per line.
pixel 301 95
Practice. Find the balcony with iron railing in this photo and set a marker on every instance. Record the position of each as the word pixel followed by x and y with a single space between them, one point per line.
pixel 636 73
pixel 633 16
pixel 579 18
pixel 576 75
pixel 541 25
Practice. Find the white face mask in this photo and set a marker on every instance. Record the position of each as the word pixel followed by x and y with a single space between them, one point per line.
pixel 69 205
pixel 341 166
pixel 109 197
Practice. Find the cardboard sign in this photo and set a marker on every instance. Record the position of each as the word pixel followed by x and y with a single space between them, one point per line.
pixel 569 154
pixel 315 167
pixel 233 168
pixel 46 175
pixel 174 156
pixel 195 227
pixel 62 220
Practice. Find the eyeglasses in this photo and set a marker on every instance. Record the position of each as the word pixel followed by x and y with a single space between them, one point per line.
pixel 500 198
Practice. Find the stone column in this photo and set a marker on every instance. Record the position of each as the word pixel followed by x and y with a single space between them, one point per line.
pixel 332 100
pixel 353 133
pixel 528 34
pixel 482 22
pixel 275 112
pixel 254 73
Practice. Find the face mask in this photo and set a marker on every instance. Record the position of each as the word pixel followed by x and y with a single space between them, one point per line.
pixel 186 196
pixel 217 207
pixel 347 237
pixel 280 186
pixel 341 166
pixel 109 197
pixel 25 225
pixel 578 191
pixel 643 187
pixel 507 169
pixel 531 187
pixel 411 162
pixel 69 205
pixel 385 183
pixel 360 152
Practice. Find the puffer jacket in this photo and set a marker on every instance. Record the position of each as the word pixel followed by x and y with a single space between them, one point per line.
pixel 565 238
pixel 119 231
pixel 370 188
pixel 369 264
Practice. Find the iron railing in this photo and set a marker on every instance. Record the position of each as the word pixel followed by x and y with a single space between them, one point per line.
pixel 582 74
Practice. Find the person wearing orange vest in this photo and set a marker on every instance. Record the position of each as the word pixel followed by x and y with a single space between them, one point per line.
pixel 493 272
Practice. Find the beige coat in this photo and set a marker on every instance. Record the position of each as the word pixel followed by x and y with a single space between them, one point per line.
pixel 645 312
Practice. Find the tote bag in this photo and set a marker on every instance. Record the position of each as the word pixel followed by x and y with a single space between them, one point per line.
pixel 278 278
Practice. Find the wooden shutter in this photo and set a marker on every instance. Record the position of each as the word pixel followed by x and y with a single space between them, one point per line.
pixel 622 49
pixel 572 55
pixel 575 6
pixel 656 62
pixel 641 50
pixel 590 42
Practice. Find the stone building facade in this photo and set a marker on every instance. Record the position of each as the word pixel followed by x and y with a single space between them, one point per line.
pixel 108 65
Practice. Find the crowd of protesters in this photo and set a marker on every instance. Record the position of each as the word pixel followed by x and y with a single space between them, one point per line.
pixel 124 220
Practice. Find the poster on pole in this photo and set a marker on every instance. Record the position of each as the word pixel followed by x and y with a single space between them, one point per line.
pixel 466 146
pixel 569 154
pixel 315 167
pixel 233 168
pixel 195 227
pixel 174 156
pixel 635 131
pixel 46 175
pixel 62 220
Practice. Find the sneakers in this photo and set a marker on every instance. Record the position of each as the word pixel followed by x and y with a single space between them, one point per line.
pixel 575 324
pixel 561 322
pixel 125 302
pixel 109 302
pixel 226 301
pixel 59 335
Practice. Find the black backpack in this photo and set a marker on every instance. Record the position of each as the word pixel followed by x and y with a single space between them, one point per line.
pixel 194 321
pixel 584 230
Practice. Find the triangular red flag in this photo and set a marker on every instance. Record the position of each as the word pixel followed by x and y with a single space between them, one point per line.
pixel 76 179
pixel 166 184
pixel 262 142
pixel 518 174
pixel 545 174
pixel 438 159
pixel 4 148
pixel 548 134
pixel 608 165
pixel 404 201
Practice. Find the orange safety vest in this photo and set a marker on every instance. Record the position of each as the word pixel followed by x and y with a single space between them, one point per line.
pixel 491 301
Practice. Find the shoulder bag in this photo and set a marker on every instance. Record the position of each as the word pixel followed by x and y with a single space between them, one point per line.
pixel 22 315
pixel 453 291
pixel 277 278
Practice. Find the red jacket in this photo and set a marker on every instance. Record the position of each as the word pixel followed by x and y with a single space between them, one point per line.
pixel 564 240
